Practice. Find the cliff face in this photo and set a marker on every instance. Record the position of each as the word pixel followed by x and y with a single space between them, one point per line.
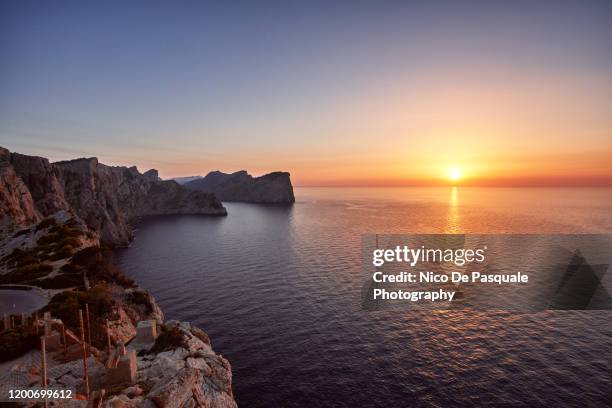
pixel 107 198
pixel 273 188
pixel 16 203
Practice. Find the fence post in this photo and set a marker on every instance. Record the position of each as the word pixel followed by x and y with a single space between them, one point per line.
pixel 64 339
pixel 88 328
pixel 108 339
pixel 43 350
pixel 85 374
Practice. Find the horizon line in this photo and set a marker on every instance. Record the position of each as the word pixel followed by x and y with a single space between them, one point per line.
pixel 456 185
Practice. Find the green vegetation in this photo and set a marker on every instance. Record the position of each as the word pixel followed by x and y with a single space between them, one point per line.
pixel 97 262
pixel 65 251
pixel 86 255
pixel 72 269
pixel 27 274
pixel 31 266
pixel 140 298
pixel 46 223
pixel 16 342
pixel 58 244
pixel 66 306
pixel 19 257
pixel 169 339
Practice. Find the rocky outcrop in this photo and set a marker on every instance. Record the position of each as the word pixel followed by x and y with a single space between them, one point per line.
pixel 53 218
pixel 17 206
pixel 107 198
pixel 272 188
pixel 190 374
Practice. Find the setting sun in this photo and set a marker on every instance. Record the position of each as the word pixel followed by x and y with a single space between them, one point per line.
pixel 454 174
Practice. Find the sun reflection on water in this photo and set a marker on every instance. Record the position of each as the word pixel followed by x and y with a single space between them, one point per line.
pixel 453 217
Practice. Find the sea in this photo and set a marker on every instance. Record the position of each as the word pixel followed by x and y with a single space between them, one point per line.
pixel 278 290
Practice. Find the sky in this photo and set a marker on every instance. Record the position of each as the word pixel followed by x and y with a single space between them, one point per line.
pixel 337 93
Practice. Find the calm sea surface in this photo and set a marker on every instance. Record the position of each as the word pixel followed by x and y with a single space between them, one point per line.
pixel 278 290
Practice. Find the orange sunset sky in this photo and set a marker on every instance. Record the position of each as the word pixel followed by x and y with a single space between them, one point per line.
pixel 336 94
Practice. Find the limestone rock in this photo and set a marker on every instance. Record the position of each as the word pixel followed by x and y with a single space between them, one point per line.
pixel 272 188
pixel 107 198
pixel 177 390
pixel 214 384
pixel 17 208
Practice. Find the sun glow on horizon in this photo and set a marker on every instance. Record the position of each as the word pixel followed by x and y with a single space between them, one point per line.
pixel 454 174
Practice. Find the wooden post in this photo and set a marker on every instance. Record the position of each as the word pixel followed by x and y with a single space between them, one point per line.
pixel 43 350
pixel 24 321
pixel 36 322
pixel 85 373
pixel 64 339
pixel 108 339
pixel 47 324
pixel 12 322
pixel 88 328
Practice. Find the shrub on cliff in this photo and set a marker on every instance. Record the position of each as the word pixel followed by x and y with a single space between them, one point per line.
pixel 86 256
pixel 16 342
pixel 141 298
pixel 46 223
pixel 98 263
pixel 65 230
pixel 33 271
pixel 27 274
pixel 65 251
pixel 19 257
pixel 170 338
pixel 66 306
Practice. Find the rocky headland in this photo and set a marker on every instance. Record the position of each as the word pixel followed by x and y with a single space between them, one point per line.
pixel 107 198
pixel 58 223
pixel 272 188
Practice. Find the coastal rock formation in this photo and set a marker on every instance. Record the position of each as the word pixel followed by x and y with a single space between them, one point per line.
pixel 16 203
pixel 190 374
pixel 272 188
pixel 178 368
pixel 53 219
pixel 107 198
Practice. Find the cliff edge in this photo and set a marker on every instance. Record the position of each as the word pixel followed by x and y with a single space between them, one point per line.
pixel 107 198
pixel 272 188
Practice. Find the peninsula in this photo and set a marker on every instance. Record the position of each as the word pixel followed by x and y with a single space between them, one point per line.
pixel 58 224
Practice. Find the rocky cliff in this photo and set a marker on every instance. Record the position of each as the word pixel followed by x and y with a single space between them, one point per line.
pixel 17 206
pixel 107 198
pixel 273 188
pixel 61 256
